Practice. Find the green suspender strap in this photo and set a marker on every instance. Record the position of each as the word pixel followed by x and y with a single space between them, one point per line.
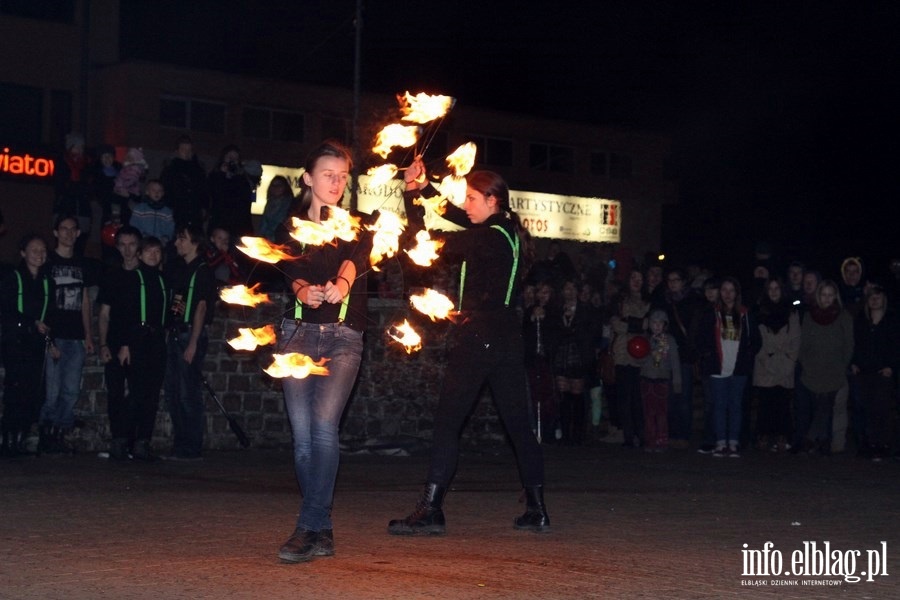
pixel 298 308
pixel 190 296
pixel 512 275
pixel 144 298
pixel 21 303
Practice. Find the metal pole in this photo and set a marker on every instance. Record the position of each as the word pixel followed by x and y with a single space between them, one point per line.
pixel 354 127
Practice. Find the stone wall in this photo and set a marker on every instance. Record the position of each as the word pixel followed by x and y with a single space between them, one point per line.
pixel 393 400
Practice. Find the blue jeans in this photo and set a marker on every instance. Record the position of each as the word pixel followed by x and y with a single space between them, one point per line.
pixel 63 379
pixel 314 406
pixel 184 394
pixel 728 395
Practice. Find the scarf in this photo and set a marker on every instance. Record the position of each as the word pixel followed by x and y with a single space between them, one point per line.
pixel 824 316
pixel 774 316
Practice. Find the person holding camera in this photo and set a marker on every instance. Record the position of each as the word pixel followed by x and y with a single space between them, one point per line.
pixel 231 192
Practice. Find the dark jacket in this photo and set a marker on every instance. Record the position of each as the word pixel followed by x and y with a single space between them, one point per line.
pixel 709 347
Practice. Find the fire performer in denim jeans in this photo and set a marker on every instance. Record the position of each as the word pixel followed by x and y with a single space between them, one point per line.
pixel 326 320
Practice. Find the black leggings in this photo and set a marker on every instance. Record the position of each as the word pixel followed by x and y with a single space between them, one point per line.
pixel 471 364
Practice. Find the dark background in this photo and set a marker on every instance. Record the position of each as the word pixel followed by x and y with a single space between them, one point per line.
pixel 782 114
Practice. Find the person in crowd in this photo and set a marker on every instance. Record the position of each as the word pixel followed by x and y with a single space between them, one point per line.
pixel 775 366
pixel 279 197
pixel 192 288
pixel 223 259
pixel 793 289
pixel 487 343
pixel 826 348
pixel 152 216
pixel 103 180
pixel 129 183
pixel 572 361
pixel 682 306
pixel 851 286
pixel 70 323
pixel 26 302
pixel 71 178
pixel 326 320
pixel 629 320
pixel 710 290
pixel 660 379
pixel 727 343
pixel 231 194
pixel 539 333
pixel 152 252
pixel 653 281
pixel 131 324
pixel 184 180
pixel 876 358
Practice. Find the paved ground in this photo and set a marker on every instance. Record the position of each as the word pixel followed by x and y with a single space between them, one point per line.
pixel 626 525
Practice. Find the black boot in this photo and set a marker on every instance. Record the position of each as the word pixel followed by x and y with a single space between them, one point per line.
pixel 427 518
pixel 45 439
pixel 535 517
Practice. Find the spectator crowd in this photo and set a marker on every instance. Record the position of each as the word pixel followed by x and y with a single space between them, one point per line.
pixel 783 358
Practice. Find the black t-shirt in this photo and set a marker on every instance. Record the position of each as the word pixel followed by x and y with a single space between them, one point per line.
pixel 71 276
pixel 320 264
pixel 193 282
pixel 136 298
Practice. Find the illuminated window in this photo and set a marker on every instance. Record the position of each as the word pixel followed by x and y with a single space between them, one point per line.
pixel 493 151
pixel 192 114
pixel 546 157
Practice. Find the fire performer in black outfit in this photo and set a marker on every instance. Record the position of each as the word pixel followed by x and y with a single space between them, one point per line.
pixel 486 346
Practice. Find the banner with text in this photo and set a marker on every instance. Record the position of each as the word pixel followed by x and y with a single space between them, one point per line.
pixel 544 215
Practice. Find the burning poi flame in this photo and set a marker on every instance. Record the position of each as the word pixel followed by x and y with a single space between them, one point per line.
pixel 261 249
pixel 462 159
pixel 425 251
pixel 386 240
pixel 454 188
pixel 339 224
pixel 296 365
pixel 395 135
pixel 423 108
pixel 381 175
pixel 242 295
pixel 406 335
pixel 433 304
pixel 249 339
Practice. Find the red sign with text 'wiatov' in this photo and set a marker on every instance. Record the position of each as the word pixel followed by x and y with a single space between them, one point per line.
pixel 25 164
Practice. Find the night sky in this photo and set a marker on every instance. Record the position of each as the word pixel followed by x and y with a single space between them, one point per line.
pixel 781 113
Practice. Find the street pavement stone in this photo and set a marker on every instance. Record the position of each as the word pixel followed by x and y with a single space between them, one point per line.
pixel 626 524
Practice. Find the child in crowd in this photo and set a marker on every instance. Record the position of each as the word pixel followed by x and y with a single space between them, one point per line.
pixel 660 374
pixel 151 216
pixel 129 181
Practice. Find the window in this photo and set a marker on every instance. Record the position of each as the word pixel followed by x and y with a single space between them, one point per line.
pixel 546 157
pixel 493 151
pixel 59 11
pixel 191 114
pixel 619 166
pixel 336 129
pixel 599 164
pixel 21 112
pixel 271 124
pixel 60 114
